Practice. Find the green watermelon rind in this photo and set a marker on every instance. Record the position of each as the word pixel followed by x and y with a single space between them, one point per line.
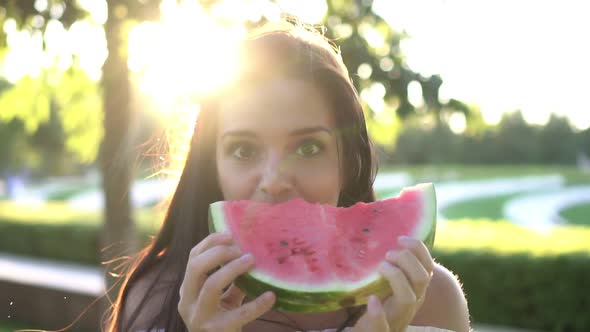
pixel 427 226
pixel 298 298
pixel 305 301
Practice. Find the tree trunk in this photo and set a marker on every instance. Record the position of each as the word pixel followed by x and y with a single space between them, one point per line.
pixel 119 235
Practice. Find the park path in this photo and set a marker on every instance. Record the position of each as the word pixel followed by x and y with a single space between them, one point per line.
pixel 541 210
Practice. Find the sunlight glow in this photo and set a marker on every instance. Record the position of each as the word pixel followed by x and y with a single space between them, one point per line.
pixel 308 11
pixel 98 9
pixel 457 123
pixel 373 96
pixel 415 94
pixel 186 54
pixel 25 56
pixel 240 10
pixel 83 41
pixel 501 55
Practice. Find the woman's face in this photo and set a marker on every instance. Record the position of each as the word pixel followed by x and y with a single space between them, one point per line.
pixel 277 141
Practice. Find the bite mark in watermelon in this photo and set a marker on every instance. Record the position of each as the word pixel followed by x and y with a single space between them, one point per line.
pixel 318 257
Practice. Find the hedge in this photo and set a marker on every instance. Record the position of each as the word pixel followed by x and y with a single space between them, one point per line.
pixel 511 276
pixel 51 231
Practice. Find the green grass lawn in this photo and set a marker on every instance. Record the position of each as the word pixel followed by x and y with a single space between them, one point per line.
pixel 577 214
pixel 67 193
pixel 489 207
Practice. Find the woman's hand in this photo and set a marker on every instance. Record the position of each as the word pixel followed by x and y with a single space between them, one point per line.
pixel 203 305
pixel 409 272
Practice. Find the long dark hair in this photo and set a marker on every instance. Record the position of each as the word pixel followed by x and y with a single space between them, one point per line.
pixel 287 51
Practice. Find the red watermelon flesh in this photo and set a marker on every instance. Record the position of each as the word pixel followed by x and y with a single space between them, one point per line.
pixel 306 249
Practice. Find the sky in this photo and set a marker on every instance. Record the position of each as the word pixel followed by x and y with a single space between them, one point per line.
pixel 502 55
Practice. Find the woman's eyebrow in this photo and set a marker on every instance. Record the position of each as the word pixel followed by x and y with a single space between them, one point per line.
pixel 296 132
pixel 240 133
pixel 310 130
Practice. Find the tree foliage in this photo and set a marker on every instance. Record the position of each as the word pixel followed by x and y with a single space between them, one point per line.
pixel 512 141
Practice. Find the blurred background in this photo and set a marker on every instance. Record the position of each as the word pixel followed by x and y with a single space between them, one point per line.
pixel 487 99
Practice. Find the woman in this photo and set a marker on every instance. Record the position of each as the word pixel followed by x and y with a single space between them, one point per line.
pixel 290 125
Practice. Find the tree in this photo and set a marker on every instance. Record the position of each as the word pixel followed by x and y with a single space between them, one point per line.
pixel 115 155
pixel 557 142
pixel 517 140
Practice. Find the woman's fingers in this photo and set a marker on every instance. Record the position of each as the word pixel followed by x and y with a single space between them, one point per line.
pixel 237 318
pixel 233 297
pixel 399 283
pixel 212 289
pixel 403 301
pixel 419 249
pixel 413 269
pixel 199 266
pixel 213 239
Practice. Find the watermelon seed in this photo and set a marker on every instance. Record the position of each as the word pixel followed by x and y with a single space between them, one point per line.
pixel 281 260
pixel 375 210
pixel 284 243
pixel 366 230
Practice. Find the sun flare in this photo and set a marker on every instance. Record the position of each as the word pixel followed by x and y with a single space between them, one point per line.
pixel 184 55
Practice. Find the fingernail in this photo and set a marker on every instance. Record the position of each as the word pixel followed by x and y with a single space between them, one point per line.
pixel 404 240
pixel 267 296
pixel 373 304
pixel 247 258
pixel 383 265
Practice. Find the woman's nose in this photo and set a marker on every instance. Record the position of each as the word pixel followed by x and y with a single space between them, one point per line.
pixel 276 179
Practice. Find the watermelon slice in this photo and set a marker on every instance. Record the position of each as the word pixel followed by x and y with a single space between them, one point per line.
pixel 319 257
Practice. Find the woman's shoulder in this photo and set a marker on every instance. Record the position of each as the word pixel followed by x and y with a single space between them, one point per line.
pixel 145 299
pixel 445 305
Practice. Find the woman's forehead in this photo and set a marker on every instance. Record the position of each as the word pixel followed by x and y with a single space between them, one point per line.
pixel 278 105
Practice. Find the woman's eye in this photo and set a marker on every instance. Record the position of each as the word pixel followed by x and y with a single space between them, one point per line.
pixel 244 152
pixel 308 149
